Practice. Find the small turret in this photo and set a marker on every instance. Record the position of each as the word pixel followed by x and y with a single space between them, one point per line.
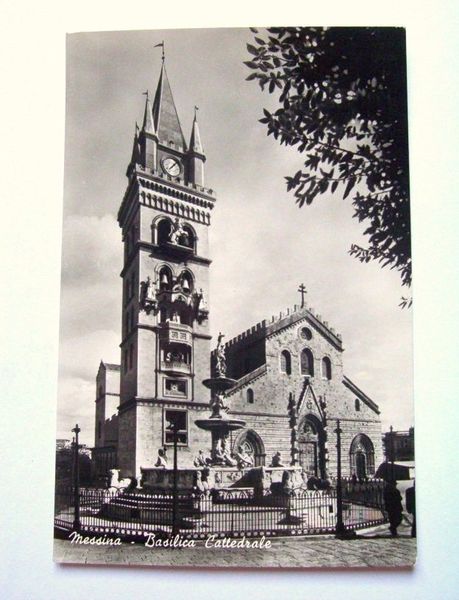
pixel 148 139
pixel 196 154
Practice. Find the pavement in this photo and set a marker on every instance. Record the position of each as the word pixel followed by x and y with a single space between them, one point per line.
pixel 372 548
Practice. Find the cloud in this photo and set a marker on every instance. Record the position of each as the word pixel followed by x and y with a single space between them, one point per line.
pixel 91 252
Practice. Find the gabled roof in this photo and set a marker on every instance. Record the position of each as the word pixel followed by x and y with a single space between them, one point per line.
pixel 361 395
pixel 165 117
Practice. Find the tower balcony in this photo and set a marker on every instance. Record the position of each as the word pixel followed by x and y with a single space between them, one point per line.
pixel 176 333
pixel 175 367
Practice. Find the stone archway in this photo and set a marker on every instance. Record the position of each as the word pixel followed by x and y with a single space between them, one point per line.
pixel 250 443
pixel 311 446
pixel 362 456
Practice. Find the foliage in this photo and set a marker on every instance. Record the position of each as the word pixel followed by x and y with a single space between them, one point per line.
pixel 342 104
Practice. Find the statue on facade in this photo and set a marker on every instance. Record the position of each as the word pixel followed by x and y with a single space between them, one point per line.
pixel 147 295
pixel 162 459
pixel 276 460
pixel 177 231
pixel 221 357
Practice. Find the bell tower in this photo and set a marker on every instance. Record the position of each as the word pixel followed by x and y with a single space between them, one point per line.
pixel 165 345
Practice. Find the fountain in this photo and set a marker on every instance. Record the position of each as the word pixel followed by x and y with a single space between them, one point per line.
pixel 220 424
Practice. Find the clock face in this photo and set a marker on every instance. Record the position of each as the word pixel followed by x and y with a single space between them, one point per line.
pixel 171 166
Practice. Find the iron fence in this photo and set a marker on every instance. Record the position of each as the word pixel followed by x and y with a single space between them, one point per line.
pixel 224 513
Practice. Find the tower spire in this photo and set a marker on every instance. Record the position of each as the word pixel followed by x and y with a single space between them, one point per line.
pixel 165 117
pixel 195 139
pixel 148 122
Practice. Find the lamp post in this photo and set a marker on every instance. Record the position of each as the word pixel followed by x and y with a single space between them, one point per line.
pixel 340 530
pixel 175 529
pixel 76 480
pixel 392 452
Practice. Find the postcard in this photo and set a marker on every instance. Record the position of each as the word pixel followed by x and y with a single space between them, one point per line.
pixel 235 367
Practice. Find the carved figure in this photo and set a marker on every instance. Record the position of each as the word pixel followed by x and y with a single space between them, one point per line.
pixel 201 460
pixel 162 459
pixel 223 454
pixel 221 357
pixel 217 405
pixel 244 459
pixel 276 460
pixel 177 231
pixel 116 482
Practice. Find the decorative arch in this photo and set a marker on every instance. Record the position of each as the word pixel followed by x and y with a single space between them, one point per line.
pixel 357 404
pixel 186 279
pixel 311 446
pixel 250 443
pixel 189 238
pixel 362 456
pixel 326 368
pixel 286 362
pixel 307 362
pixel 161 230
pixel 165 278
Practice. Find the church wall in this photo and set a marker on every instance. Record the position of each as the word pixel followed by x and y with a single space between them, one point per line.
pixel 150 438
pixel 127 442
pixel 350 428
pixel 147 363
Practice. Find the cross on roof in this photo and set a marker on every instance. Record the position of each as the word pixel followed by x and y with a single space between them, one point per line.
pixel 302 291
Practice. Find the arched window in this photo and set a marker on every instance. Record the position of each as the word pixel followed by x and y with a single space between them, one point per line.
pixel 286 362
pixel 99 430
pixel 362 456
pixel 163 231
pixel 357 404
pixel 101 391
pixel 186 281
pixel 188 238
pixel 326 368
pixel 165 279
pixel 249 396
pixel 307 362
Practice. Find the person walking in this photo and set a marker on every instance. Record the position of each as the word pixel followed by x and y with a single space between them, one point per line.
pixel 410 499
pixel 393 504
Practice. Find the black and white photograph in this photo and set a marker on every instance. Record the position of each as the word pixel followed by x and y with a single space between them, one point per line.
pixel 236 358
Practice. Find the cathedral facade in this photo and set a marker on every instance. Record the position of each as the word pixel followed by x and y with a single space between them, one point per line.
pixel 290 387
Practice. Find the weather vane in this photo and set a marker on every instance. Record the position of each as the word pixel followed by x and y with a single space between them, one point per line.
pixel 161 45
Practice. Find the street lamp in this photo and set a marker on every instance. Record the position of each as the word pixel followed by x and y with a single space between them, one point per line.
pixel 76 480
pixel 173 427
pixel 340 530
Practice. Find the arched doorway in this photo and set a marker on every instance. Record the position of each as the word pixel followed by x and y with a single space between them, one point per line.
pixel 311 446
pixel 250 443
pixel 362 456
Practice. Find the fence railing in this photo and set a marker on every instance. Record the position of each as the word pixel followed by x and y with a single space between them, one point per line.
pixel 231 513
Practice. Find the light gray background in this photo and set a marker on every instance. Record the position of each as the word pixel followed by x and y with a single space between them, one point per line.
pixel 32 51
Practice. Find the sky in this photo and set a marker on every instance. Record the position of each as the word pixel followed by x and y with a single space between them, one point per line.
pixel 262 245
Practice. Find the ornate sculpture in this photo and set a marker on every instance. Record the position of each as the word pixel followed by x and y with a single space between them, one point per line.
pixel 223 454
pixel 276 460
pixel 177 231
pixel 201 308
pixel 221 358
pixel 162 459
pixel 147 296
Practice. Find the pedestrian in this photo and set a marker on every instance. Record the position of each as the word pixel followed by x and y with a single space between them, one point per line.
pixel 393 504
pixel 410 498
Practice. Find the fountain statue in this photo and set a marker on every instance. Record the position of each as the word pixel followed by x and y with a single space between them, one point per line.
pixel 220 424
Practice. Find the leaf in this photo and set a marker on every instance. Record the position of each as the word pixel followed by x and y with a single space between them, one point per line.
pixel 252 49
pixel 251 76
pixel 349 186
